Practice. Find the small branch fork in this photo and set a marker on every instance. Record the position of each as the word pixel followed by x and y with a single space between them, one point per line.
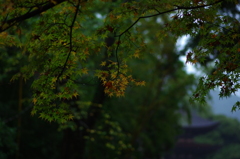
pixel 154 15
pixel 70 39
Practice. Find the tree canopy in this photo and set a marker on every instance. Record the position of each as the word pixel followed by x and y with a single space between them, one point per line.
pixel 65 43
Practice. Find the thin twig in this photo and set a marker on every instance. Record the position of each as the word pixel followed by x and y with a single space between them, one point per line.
pixel 118 44
pixel 70 39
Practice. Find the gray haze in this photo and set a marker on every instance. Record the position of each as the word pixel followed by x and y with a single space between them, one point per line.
pixel 224 106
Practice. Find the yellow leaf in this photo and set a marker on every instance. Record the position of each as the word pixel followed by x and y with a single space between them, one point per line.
pixel 119 16
pixel 136 54
pixel 54 79
pixel 142 83
pixel 85 71
pixel 113 75
pixel 75 94
pixel 194 61
pixel 110 94
pixel 120 94
pixel 70 117
pixel 73 53
pixel 34 100
pixel 103 63
pixel 3 35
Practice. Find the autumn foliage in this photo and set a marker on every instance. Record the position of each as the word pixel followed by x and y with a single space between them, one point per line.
pixel 60 48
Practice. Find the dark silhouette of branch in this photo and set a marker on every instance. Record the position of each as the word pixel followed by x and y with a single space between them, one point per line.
pixel 11 22
pixel 70 39
pixel 200 6
pixel 118 44
pixel 168 11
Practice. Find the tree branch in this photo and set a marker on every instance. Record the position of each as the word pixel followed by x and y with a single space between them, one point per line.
pixel 154 15
pixel 168 11
pixel 70 39
pixel 201 6
pixel 9 23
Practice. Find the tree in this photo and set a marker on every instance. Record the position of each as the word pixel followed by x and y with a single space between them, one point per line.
pixel 219 65
pixel 74 52
pixel 59 47
pixel 100 128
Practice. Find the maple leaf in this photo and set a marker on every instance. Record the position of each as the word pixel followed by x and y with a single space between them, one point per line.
pixel 119 16
pixel 75 94
pixel 143 83
pixel 137 54
pixel 54 79
pixel 42 115
pixel 33 112
pixel 111 94
pixel 34 100
pixel 85 71
pixel 103 63
pixel 109 84
pixel 70 117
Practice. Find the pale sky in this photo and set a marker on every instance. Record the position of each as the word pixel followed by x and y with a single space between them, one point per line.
pixel 189 67
pixel 180 44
